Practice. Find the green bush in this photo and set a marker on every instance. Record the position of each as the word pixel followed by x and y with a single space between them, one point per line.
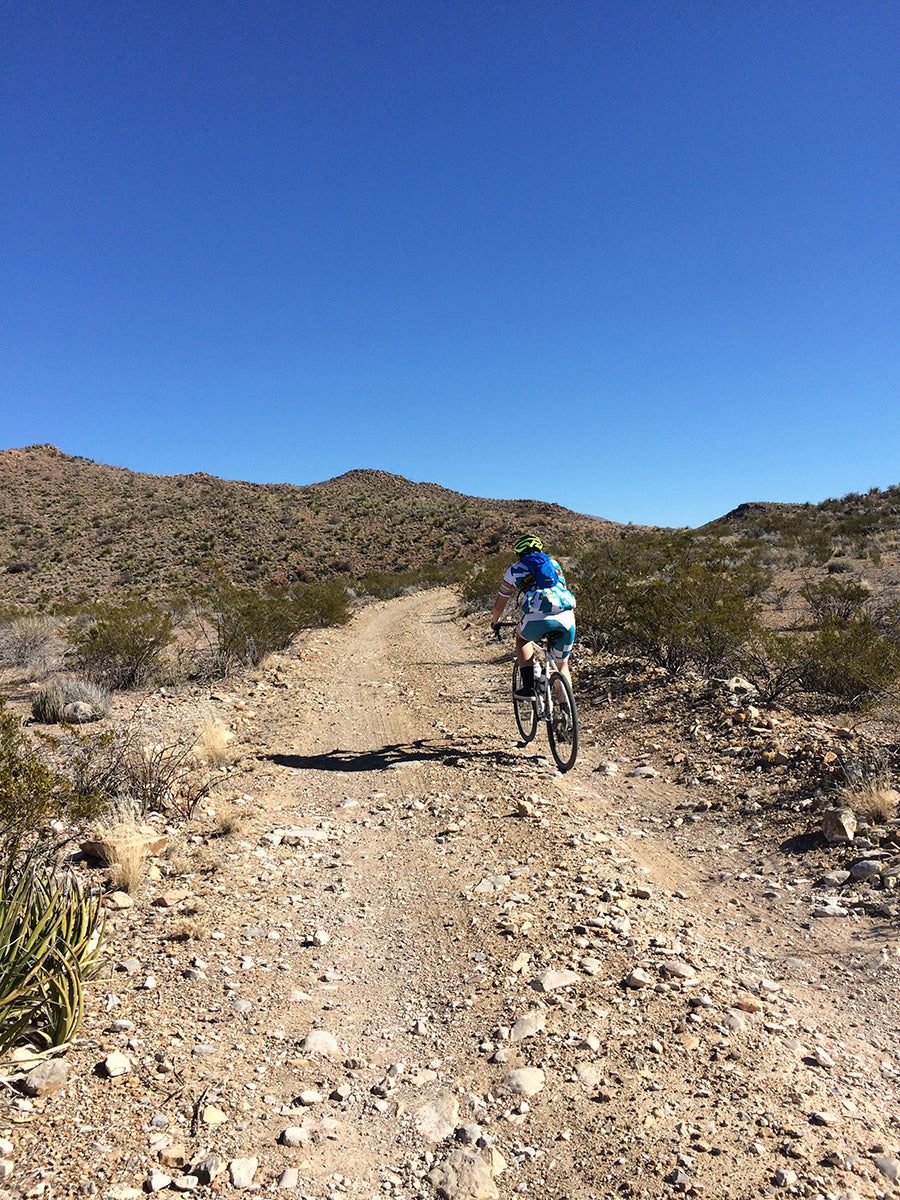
pixel 122 647
pixel 31 792
pixel 835 600
pixel 249 624
pixel 51 931
pixel 386 584
pixel 480 586
pixel 856 660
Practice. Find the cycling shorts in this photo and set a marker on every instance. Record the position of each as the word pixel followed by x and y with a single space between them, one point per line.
pixel 560 628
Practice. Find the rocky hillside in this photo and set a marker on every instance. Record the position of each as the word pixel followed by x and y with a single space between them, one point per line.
pixel 73 530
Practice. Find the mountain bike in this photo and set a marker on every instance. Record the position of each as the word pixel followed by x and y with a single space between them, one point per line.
pixel 553 704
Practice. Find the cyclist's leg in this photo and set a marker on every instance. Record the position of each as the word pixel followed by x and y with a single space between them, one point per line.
pixel 561 642
pixel 524 650
pixel 525 659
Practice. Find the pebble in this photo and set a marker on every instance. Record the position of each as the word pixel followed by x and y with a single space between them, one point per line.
pixel 492 883
pixel 865 869
pixel 528 1025
pixel 834 879
pixel 239 1005
pixel 639 978
pixel 46 1078
pixel 308 1097
pixel 888 1166
pixel 822 1057
pixel 116 1064
pixel 241 1171
pixel 677 970
pixel 290 1176
pixel 157 1181
pixel 185 1183
pixel 207 1169
pixel 549 981
pixel 319 1041
pixel 463 1175
pixel 294 1136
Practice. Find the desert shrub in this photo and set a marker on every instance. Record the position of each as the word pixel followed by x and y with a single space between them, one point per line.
pixel 839 566
pixel 158 777
pixel 773 662
pixel 31 791
pixel 211 742
pixel 874 799
pixel 249 624
pixel 50 702
pixel 855 661
pixel 480 586
pixel 124 843
pixel 122 647
pixel 685 613
pixel 386 584
pixel 51 930
pixel 835 600
pixel 30 642
pixel 696 615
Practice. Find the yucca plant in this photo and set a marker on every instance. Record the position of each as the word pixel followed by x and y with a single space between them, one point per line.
pixel 51 930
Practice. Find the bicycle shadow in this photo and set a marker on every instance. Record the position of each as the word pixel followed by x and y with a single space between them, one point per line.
pixel 422 750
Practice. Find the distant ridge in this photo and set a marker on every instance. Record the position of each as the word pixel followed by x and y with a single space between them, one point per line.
pixel 73 530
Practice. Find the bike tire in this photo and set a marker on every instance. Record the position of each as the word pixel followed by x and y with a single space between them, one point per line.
pixel 562 728
pixel 525 711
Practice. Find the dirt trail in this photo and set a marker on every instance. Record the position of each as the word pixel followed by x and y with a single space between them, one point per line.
pixel 409 877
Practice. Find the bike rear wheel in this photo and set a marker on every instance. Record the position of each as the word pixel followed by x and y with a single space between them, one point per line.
pixel 562 728
pixel 525 710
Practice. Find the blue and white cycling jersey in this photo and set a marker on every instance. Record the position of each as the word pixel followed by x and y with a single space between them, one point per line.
pixel 546 600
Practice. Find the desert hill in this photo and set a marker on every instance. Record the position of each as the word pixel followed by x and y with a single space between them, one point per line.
pixel 74 530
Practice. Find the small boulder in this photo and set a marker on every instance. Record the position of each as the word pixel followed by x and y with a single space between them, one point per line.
pixel 46 1078
pixel 839 824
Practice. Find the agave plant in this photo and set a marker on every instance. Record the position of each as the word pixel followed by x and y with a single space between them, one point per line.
pixel 51 930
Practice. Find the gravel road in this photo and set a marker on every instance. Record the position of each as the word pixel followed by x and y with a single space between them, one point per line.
pixel 431 965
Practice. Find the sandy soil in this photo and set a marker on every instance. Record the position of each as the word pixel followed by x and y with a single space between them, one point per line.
pixel 406 877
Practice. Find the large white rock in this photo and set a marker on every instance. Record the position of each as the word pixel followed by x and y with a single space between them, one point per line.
pixel 526 1081
pixel 438 1119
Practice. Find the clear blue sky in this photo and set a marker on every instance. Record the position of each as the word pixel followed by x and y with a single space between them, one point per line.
pixel 639 258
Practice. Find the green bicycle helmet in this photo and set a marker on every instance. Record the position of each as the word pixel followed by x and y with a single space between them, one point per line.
pixel 525 542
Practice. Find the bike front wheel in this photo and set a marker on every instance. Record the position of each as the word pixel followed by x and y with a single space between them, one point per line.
pixel 525 710
pixel 562 728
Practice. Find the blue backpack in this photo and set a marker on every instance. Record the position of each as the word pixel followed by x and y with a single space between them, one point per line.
pixel 541 568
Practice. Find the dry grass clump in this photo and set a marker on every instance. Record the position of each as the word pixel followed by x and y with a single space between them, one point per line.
pixel 124 846
pixel 212 743
pixel 191 929
pixel 31 642
pixel 874 799
pixel 50 703
pixel 231 818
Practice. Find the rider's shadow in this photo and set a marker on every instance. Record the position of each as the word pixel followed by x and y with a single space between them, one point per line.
pixel 421 750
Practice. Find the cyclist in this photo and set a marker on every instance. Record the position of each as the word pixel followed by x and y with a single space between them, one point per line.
pixel 548 608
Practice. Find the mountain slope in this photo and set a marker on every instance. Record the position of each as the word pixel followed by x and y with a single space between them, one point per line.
pixel 75 530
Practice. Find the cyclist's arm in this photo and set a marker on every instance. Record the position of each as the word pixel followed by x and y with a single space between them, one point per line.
pixel 507 588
